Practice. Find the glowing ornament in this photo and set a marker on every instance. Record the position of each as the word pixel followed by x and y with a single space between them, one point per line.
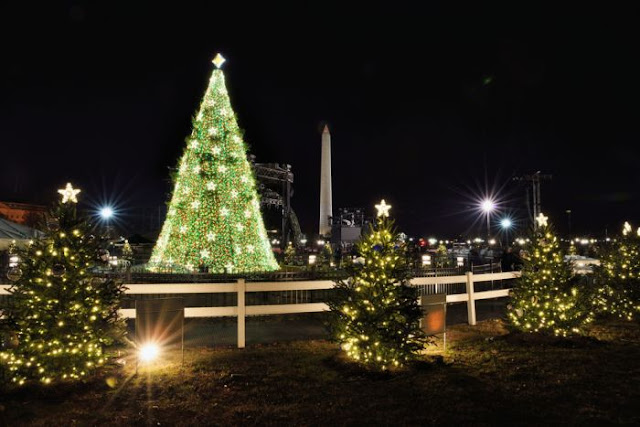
pixel 383 208
pixel 14 274
pixel 211 185
pixel 222 168
pixel 58 270
pixel 234 194
pixel 244 179
pixel 197 169
pixel 224 211
pixel 194 143
pixel 218 60
pixel 183 229
pixel 195 204
pixel 69 194
pixel 541 219
pixel 213 131
pixel 215 150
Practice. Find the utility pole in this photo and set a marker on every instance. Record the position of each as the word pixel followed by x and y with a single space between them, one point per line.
pixel 534 180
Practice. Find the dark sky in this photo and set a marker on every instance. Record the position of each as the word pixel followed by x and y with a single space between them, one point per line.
pixel 423 103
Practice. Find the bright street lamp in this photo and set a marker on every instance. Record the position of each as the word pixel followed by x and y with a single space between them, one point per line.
pixel 506 223
pixel 487 207
pixel 106 212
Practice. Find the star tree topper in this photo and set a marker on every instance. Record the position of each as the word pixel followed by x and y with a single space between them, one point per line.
pixel 383 208
pixel 218 60
pixel 542 220
pixel 69 194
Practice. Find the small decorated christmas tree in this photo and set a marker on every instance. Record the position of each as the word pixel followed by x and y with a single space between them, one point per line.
pixel 289 254
pixel 617 279
pixel 214 218
pixel 377 314
pixel 62 315
pixel 545 299
pixel 127 251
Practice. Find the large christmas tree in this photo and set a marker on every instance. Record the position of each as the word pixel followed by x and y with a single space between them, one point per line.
pixel 377 314
pixel 546 298
pixel 214 217
pixel 61 315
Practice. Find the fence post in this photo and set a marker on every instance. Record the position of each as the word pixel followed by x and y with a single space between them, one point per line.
pixel 242 311
pixel 471 303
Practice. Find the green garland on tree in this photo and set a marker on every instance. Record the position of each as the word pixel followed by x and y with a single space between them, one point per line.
pixel 62 315
pixel 545 299
pixel 376 313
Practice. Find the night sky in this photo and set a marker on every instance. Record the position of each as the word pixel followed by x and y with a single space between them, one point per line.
pixel 427 107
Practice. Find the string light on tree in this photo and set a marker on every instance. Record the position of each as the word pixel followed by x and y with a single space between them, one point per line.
pixel 62 316
pixel 214 195
pixel 545 299
pixel 376 312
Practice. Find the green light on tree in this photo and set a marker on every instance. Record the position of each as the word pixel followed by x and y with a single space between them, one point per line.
pixel 214 217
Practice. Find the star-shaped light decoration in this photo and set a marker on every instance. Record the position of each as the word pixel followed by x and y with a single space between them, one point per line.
pixel 250 248
pixel 383 208
pixel 205 253
pixel 626 228
pixel 213 131
pixel 542 220
pixel 211 186
pixel 229 268
pixel 218 60
pixel 69 194
pixel 211 237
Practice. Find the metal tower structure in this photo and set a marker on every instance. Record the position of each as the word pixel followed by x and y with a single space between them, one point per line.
pixel 533 198
pixel 275 183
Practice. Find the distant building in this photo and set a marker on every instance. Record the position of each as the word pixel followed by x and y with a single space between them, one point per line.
pixel 22 213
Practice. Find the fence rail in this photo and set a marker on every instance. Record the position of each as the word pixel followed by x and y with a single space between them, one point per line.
pixel 240 289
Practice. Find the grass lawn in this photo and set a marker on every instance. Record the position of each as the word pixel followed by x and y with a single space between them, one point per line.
pixel 485 376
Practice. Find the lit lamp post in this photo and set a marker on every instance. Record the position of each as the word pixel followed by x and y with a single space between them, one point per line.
pixel 506 224
pixel 487 207
pixel 106 213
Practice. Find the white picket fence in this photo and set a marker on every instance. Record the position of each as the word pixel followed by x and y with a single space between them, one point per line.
pixel 241 287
